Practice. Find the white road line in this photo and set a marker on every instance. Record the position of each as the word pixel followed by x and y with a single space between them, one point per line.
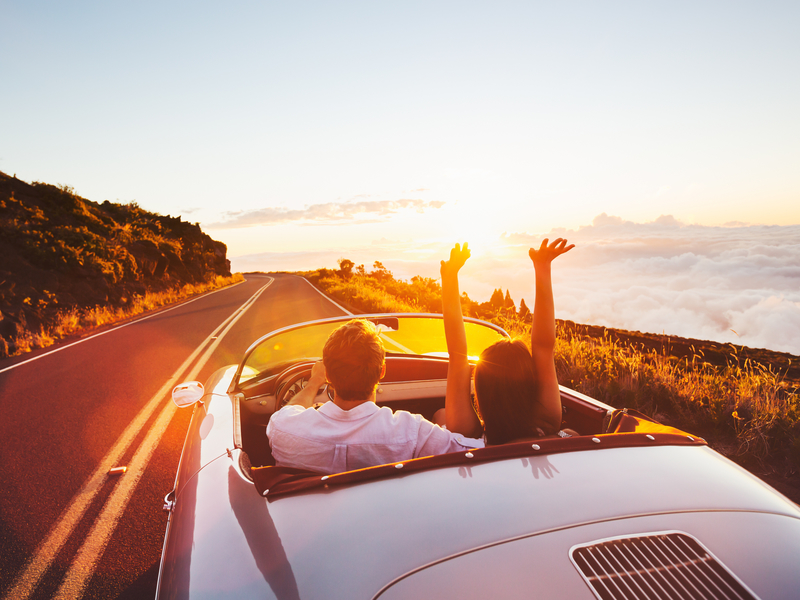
pixel 397 344
pixel 326 297
pixel 85 563
pixel 33 571
pixel 86 339
pixel 388 339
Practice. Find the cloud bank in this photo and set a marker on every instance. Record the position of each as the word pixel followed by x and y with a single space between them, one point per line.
pixel 737 283
pixel 324 214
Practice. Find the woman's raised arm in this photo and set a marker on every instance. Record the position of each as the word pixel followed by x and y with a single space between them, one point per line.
pixel 460 416
pixel 543 334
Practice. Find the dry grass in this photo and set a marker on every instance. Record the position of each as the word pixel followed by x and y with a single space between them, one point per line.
pixel 750 403
pixel 358 292
pixel 747 410
pixel 76 321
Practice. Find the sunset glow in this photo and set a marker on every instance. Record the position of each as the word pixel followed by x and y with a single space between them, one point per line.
pixel 389 132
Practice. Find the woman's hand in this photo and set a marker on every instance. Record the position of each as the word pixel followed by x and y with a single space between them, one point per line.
pixel 548 252
pixel 458 256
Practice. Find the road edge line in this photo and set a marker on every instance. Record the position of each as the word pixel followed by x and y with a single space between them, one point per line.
pixel 83 566
pixel 115 328
pixel 28 579
pixel 328 298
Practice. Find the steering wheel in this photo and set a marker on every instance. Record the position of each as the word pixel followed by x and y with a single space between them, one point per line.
pixel 292 380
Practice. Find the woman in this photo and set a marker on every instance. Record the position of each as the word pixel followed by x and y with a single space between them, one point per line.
pixel 516 389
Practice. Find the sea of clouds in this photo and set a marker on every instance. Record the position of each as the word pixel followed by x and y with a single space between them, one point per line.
pixel 736 283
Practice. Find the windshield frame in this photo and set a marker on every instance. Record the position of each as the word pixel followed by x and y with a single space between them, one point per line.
pixel 236 381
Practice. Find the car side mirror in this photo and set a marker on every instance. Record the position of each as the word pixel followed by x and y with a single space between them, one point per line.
pixel 186 394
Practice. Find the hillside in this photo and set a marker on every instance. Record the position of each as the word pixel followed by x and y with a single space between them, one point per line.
pixel 61 253
pixel 717 354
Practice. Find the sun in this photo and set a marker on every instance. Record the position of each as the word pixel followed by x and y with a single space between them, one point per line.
pixel 468 226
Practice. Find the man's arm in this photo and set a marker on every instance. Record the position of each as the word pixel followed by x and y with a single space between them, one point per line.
pixel 460 416
pixel 543 333
pixel 308 394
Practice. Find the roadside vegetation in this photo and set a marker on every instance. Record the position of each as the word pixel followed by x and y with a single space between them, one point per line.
pixel 81 321
pixel 744 401
pixel 70 264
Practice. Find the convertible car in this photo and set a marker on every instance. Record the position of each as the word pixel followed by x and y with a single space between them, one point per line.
pixel 627 509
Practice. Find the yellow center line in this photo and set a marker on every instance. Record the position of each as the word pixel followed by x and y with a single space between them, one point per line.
pixel 33 571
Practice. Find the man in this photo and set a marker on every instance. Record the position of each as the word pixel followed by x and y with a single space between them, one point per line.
pixel 352 432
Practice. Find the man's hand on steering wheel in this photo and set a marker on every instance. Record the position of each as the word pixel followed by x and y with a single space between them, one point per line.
pixel 307 396
pixel 318 375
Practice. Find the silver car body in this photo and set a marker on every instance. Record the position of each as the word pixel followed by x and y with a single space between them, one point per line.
pixel 480 525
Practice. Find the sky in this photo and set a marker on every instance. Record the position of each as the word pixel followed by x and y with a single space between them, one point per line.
pixel 662 137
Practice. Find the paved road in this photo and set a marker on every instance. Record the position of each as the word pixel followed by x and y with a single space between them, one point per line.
pixel 67 528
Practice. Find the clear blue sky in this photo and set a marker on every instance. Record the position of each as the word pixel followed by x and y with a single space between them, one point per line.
pixel 258 119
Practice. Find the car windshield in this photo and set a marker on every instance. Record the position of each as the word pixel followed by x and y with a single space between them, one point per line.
pixel 402 335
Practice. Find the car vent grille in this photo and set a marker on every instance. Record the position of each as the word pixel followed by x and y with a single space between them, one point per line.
pixel 668 565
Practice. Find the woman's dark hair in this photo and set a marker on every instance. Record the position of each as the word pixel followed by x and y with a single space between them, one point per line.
pixel 505 387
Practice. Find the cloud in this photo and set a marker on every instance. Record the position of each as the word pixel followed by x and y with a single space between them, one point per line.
pixel 362 211
pixel 738 284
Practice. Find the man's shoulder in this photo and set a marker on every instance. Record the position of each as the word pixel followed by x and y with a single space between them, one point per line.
pixel 288 411
pixel 401 418
pixel 401 414
pixel 287 415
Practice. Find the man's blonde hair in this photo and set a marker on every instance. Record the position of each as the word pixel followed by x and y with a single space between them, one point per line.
pixel 353 358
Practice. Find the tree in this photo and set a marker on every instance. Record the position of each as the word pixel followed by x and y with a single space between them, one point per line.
pixel 485 310
pixel 361 270
pixel 524 311
pixel 508 304
pixel 497 301
pixel 380 272
pixel 345 267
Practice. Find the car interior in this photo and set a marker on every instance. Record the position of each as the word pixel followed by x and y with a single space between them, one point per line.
pixel 412 383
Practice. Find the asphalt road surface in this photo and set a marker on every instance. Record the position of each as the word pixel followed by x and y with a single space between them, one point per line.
pixel 68 528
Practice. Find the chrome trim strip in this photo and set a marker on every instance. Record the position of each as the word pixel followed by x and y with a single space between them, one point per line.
pixel 577 395
pixel 237 420
pixel 659 564
pixel 410 390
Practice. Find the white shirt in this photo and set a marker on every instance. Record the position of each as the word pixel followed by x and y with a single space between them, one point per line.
pixel 331 440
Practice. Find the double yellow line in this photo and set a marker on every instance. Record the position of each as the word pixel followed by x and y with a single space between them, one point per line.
pixel 84 564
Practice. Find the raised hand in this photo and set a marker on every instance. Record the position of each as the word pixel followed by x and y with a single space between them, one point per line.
pixel 460 415
pixel 547 252
pixel 458 256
